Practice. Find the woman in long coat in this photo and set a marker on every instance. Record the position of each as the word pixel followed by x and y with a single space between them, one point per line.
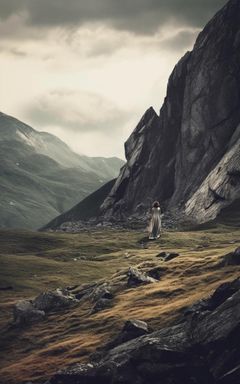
pixel 155 223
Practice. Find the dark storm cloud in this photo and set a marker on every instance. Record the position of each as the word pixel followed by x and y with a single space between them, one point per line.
pixel 139 16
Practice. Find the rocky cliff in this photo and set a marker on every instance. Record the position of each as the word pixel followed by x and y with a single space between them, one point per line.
pixel 188 156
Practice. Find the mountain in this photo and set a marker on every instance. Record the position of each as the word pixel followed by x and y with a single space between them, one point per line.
pixel 87 208
pixel 41 177
pixel 188 156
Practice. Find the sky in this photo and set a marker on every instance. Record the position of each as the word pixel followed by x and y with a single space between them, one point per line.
pixel 87 71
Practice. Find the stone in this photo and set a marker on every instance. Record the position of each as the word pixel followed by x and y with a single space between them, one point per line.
pixel 101 291
pixel 167 256
pixel 199 352
pixel 54 300
pixel 131 330
pixel 221 294
pixel 136 277
pixel 232 258
pixel 156 272
pixel 101 304
pixel 25 313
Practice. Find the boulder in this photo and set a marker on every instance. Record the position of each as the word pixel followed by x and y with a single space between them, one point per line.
pixel 167 256
pixel 52 300
pixel 101 304
pixel 232 258
pixel 136 277
pixel 102 291
pixel 156 272
pixel 221 294
pixel 24 313
pixel 131 330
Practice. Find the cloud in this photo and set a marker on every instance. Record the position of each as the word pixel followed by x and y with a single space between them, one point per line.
pixel 77 112
pixel 87 70
pixel 88 122
pixel 12 51
pixel 182 39
pixel 138 16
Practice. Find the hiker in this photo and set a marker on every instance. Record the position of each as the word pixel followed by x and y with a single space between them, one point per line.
pixel 155 223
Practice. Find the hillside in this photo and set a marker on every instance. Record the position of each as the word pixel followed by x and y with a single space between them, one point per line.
pixel 41 177
pixel 35 262
pixel 83 211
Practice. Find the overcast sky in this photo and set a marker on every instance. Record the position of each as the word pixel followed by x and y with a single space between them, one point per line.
pixel 86 70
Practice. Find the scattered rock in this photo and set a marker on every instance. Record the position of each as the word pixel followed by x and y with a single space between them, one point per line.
pixel 156 273
pixel 24 313
pixel 131 330
pixel 221 294
pixel 101 304
pixel 206 351
pixel 135 277
pixel 167 256
pixel 30 311
pixel 232 258
pixel 85 291
pixel 101 291
pixel 52 300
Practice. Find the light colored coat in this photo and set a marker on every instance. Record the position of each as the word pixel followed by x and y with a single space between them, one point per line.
pixel 155 223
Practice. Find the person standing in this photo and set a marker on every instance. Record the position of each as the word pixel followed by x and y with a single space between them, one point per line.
pixel 155 223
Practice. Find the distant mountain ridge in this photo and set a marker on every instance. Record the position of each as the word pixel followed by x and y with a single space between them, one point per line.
pixel 41 176
pixel 188 156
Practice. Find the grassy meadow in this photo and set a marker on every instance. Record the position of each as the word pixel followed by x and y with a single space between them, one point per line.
pixel 33 262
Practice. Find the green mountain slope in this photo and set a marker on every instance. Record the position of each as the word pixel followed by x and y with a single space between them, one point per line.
pixel 40 177
pixel 87 208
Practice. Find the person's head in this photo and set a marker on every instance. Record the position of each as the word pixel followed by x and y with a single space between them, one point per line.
pixel 156 204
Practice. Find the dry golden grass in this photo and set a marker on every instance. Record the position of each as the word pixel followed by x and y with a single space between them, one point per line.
pixel 34 262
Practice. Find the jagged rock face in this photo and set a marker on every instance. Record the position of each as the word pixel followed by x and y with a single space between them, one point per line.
pixel 219 188
pixel 169 157
pixel 150 152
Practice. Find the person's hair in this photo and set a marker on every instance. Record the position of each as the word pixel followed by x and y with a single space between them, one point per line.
pixel 156 204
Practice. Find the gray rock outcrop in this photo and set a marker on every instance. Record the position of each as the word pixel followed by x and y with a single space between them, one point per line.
pixel 31 311
pixel 188 157
pixel 25 313
pixel 52 300
pixel 137 277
